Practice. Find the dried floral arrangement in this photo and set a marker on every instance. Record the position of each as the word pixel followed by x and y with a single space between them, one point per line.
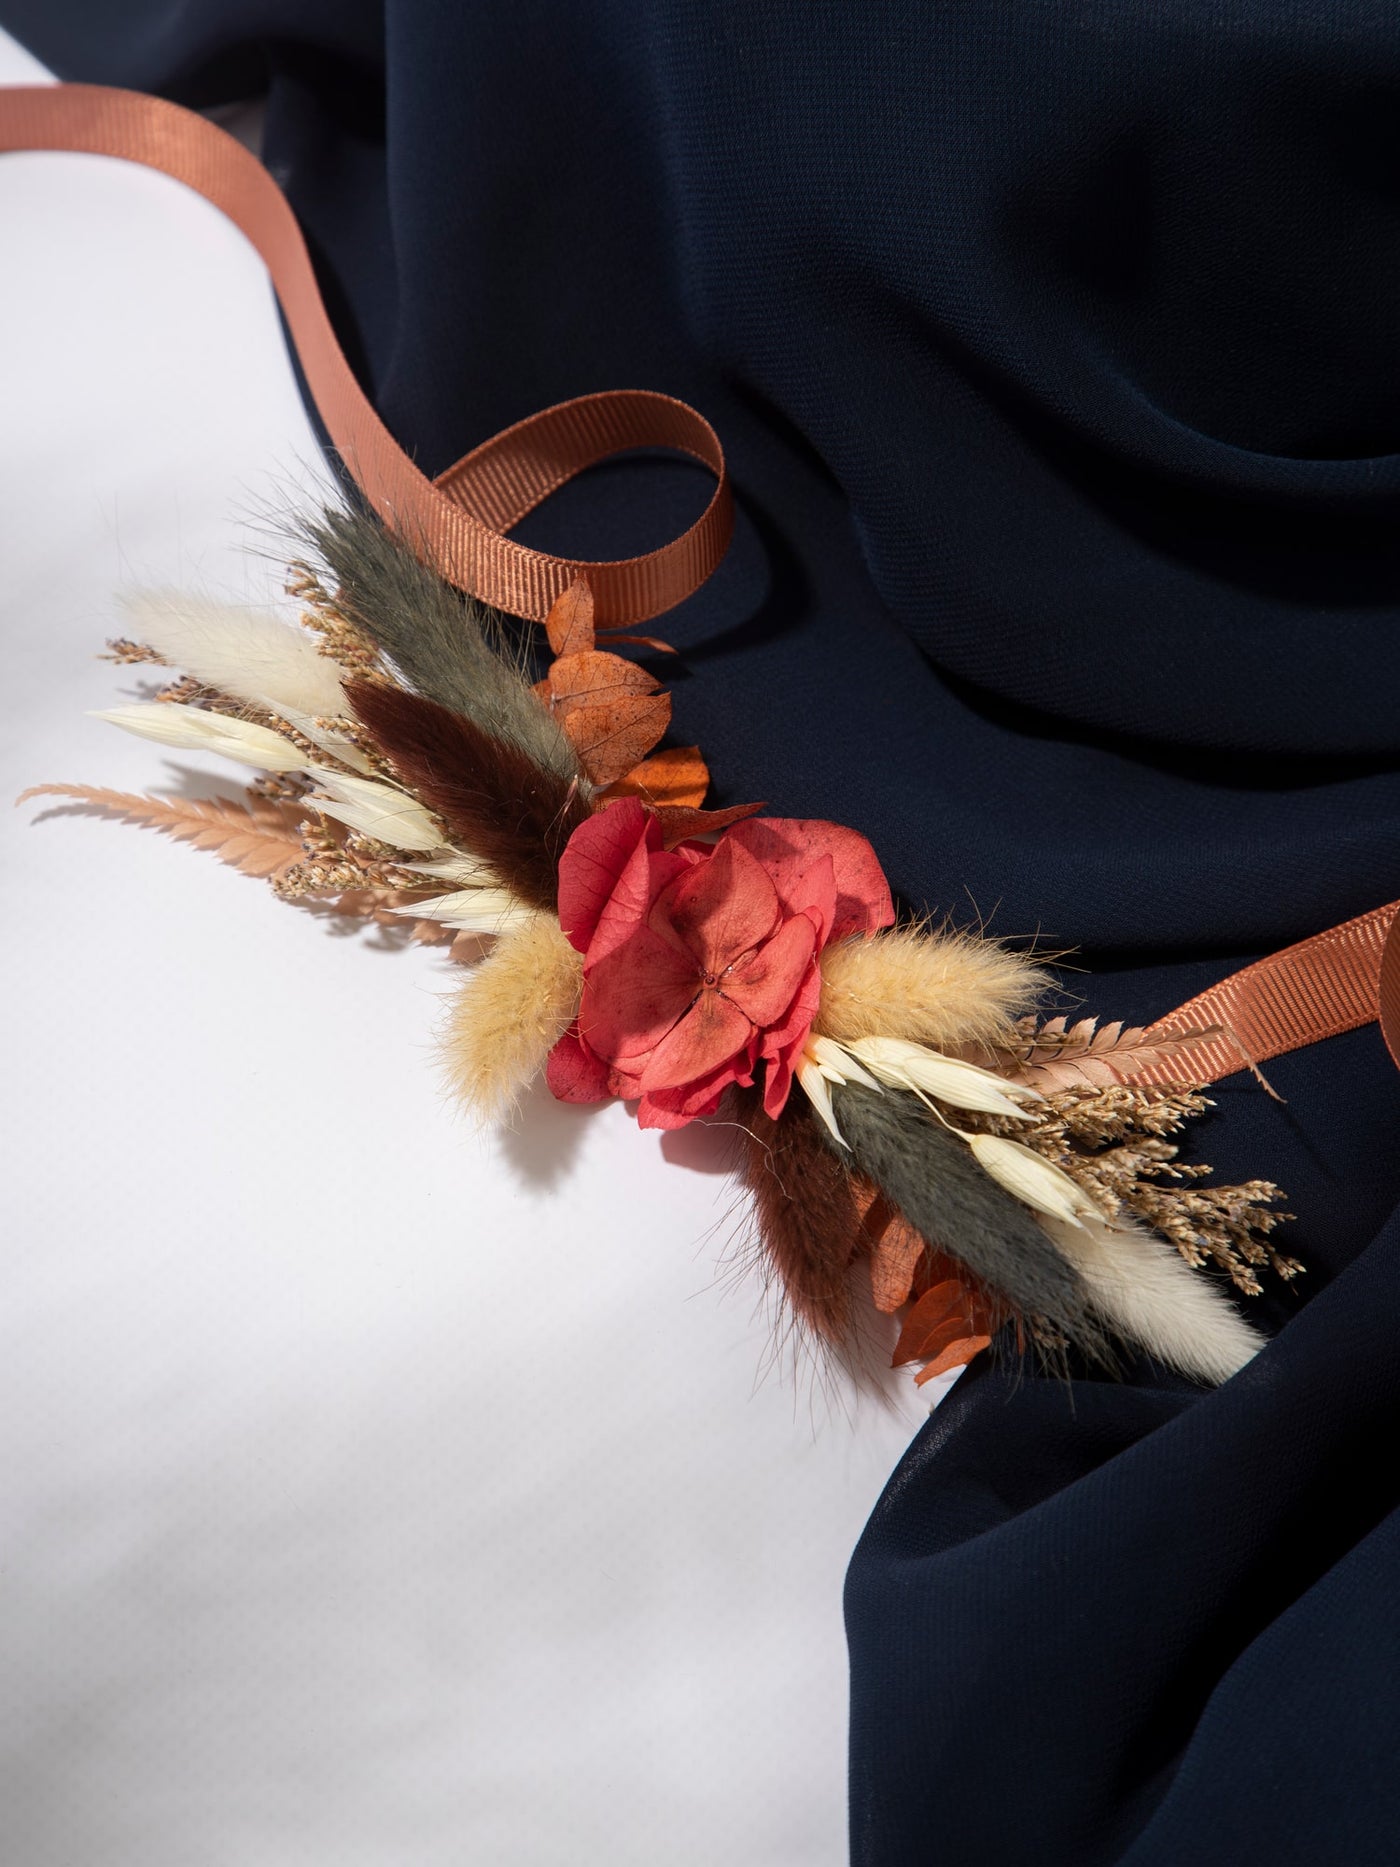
pixel 896 1095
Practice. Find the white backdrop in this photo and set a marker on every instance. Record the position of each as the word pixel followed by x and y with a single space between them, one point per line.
pixel 372 1493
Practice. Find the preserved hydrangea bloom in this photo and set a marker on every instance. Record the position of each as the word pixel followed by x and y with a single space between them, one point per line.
pixel 701 962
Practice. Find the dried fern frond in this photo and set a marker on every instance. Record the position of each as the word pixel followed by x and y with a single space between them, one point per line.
pixel 260 838
pixel 934 987
pixel 510 1014
pixel 1060 1055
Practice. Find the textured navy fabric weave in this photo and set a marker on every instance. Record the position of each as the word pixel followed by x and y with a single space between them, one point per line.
pixel 1054 349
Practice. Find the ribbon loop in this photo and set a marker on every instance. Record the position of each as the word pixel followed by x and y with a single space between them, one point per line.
pixel 459 520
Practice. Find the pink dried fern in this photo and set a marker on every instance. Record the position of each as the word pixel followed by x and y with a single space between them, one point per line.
pixel 260 838
pixel 1060 1055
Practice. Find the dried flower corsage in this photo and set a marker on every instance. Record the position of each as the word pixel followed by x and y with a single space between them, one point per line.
pixel 896 1095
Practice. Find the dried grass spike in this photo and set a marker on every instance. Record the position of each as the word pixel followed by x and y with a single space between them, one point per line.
pixel 1149 1296
pixel 809 1222
pixel 933 987
pixel 933 1179
pixel 439 640
pixel 244 652
pixel 496 803
pixel 509 1015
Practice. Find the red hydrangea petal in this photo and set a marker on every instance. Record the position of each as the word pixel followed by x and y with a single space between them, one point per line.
pixel 718 909
pixel 634 995
pixel 574 1074
pixel 594 861
pixel 782 1046
pixel 673 1108
pixel 788 846
pixel 612 869
pixel 814 895
pixel 764 984
pixel 710 1035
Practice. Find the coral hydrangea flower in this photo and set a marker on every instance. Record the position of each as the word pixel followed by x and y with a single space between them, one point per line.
pixel 701 962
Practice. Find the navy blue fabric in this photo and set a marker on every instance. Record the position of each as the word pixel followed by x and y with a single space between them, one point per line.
pixel 1056 349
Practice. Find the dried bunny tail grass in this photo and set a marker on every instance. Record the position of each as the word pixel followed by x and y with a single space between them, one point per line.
pixel 931 1176
pixel 509 1015
pixel 930 985
pixel 442 642
pixel 808 1221
pixel 498 805
pixel 244 652
pixel 1144 1291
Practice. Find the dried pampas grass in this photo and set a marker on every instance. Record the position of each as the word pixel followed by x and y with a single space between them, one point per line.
pixel 243 652
pixel 510 1014
pixel 938 988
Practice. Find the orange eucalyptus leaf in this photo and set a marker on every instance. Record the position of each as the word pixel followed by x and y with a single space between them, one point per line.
pixel 612 738
pixel 569 624
pixel 956 1355
pixel 679 777
pixel 952 1329
pixel 894 1258
pixel 947 1302
pixel 595 679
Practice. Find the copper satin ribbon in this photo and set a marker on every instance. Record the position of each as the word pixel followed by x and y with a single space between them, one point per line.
pixel 1333 982
pixel 459 519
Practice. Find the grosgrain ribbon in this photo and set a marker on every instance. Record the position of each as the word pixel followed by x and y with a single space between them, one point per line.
pixel 458 520
pixel 1333 982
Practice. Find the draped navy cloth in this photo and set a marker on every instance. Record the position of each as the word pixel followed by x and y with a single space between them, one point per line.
pixel 1056 350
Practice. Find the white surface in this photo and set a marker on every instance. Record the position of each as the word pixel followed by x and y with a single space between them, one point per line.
pixel 372 1493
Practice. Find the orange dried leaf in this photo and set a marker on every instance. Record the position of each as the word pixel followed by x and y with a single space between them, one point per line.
pixel 595 679
pixel 611 739
pixel 956 1355
pixel 257 838
pixel 639 641
pixel 950 1301
pixel 679 778
pixel 894 1257
pixel 677 823
pixel 954 1328
pixel 569 624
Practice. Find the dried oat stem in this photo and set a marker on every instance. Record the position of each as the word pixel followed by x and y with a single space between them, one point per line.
pixel 1113 1141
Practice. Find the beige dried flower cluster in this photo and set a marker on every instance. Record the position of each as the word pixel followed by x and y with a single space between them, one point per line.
pixel 1112 1141
pixel 341 640
pixel 127 653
